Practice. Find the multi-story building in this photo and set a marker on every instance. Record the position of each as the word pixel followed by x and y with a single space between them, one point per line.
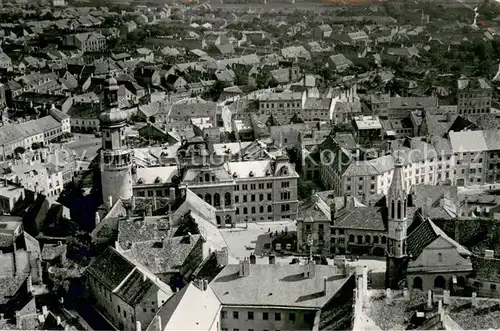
pixel 86 42
pixel 283 106
pixel 474 96
pixel 9 195
pixel 354 173
pixel 477 156
pixel 240 191
pixel 126 293
pixel 39 178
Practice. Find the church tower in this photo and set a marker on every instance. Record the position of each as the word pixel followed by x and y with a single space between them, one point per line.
pixel 115 157
pixel 397 227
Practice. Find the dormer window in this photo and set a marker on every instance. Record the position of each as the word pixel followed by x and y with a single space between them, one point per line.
pixel 235 175
pixel 158 180
pixel 140 181
pixel 251 174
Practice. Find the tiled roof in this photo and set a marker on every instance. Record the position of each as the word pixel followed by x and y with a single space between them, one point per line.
pixel 150 228
pixel 163 256
pixel 135 288
pixel 412 102
pixel 280 285
pixel 315 208
pixel 10 285
pixel 318 103
pixel 110 268
pixel 50 251
pixel 363 218
pixel 424 235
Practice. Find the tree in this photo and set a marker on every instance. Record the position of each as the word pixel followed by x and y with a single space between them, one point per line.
pixel 188 226
pixel 19 150
pixel 36 145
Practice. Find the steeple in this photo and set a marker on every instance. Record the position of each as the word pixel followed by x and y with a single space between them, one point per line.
pixel 397 193
pixel 397 207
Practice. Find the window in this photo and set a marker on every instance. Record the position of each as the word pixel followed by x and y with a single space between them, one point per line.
pixel 250 315
pixel 277 316
pixel 252 186
pixel 261 197
pixel 493 286
pixel 291 317
pixel 245 198
pixel 269 197
pixel 236 198
pixel 235 315
pixel 223 314
pixel 119 309
pixel 269 209
pixel 252 198
pixel 265 316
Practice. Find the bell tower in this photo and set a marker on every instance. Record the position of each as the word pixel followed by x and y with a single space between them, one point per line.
pixel 397 226
pixel 115 156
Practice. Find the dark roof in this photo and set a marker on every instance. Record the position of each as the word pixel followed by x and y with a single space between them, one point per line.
pixel 208 269
pixel 424 235
pixel 420 193
pixel 135 288
pixel 363 218
pixel 110 268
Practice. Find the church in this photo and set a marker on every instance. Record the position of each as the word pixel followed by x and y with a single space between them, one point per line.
pixel 399 227
pixel 419 254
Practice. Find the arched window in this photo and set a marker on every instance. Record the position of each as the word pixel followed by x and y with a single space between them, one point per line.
pixel 208 199
pixel 351 238
pixel 404 208
pixel 218 220
pixel 227 199
pixel 375 239
pixel 269 209
pixel 439 282
pixel 384 239
pixel 201 196
pixel 253 210
pixel 392 209
pixel 245 210
pixel 368 239
pixel 440 257
pixel 360 239
pixel 207 177
pixel 399 209
pixel 261 209
pixel 216 199
pixel 237 211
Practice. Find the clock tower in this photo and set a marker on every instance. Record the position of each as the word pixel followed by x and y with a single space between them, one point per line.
pixel 115 156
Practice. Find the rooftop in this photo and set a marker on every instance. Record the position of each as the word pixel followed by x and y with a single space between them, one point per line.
pixel 277 285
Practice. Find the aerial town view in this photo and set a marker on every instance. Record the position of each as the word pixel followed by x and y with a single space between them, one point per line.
pixel 249 165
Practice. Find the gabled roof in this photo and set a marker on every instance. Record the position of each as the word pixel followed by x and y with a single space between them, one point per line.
pixel 178 312
pixel 426 233
pixel 364 218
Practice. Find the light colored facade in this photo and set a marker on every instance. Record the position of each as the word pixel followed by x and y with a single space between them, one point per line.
pixel 283 106
pixel 129 297
pixel 9 195
pixel 247 191
pixel 474 96
pixel 116 157
pixel 477 154
pixel 87 42
pixel 37 178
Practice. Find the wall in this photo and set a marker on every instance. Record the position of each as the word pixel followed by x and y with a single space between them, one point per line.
pixel 302 320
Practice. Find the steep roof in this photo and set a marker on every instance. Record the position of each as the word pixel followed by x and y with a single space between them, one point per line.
pixel 111 268
pixel 424 235
pixel 177 312
pixel 363 218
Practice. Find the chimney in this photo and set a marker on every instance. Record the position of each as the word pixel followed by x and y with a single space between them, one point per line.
pixel 272 259
pixel 29 284
pixel 253 259
pixel 222 256
pixel 138 326
pixel 205 284
pixel 309 270
pixel 18 319
pixel 489 254
pixel 158 323
pixel 132 203
pixel 97 218
pixel 110 201
pixel 58 320
pixel 324 285
pixel 244 268
pixel 149 211
pixel 426 207
pixel 172 193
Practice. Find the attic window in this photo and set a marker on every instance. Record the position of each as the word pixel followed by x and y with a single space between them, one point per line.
pixel 268 172
pixel 158 180
pixel 140 181
pixel 251 174
pixel 235 175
